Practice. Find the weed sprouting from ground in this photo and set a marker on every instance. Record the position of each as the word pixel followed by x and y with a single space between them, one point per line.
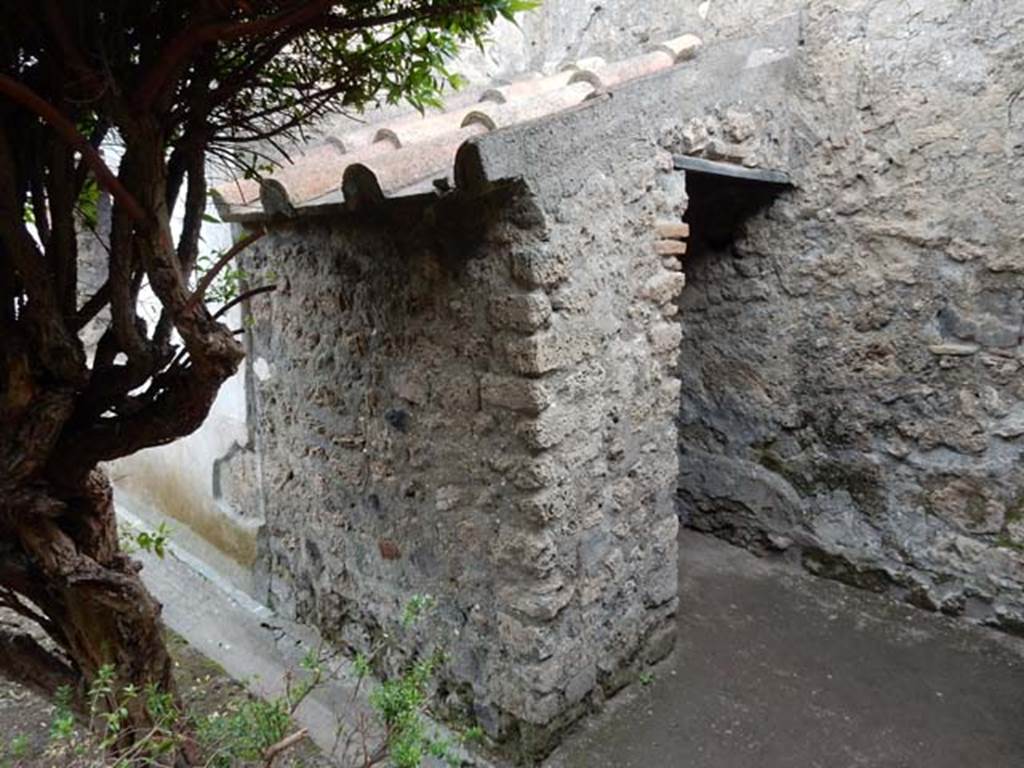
pixel 11 752
pixel 401 703
pixel 248 731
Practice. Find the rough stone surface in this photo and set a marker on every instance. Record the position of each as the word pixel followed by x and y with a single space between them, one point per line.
pixel 477 400
pixel 445 417
pixel 852 361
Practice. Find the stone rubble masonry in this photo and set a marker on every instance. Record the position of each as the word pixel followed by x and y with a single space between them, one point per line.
pixel 487 418
pixel 853 363
pixel 477 400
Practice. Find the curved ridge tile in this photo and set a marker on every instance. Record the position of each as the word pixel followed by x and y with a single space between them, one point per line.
pixel 355 139
pixel 359 186
pixel 274 198
pixel 470 175
pixel 587 62
pixel 339 143
pixel 681 48
pixel 587 76
pixel 636 67
pixel 370 179
pixel 479 117
pixel 319 173
pixel 388 135
pixel 418 129
pixel 527 87
pixel 511 113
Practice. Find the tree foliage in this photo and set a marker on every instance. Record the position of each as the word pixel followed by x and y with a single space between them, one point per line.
pixel 175 84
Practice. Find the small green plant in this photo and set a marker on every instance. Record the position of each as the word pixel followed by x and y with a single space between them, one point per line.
pixel 245 731
pixel 402 702
pixel 19 746
pixel 133 540
pixel 414 610
pixel 14 750
pixel 154 541
pixel 646 678
pixel 248 731
pixel 106 725
pixel 62 726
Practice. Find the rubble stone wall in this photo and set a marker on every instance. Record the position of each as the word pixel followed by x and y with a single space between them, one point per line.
pixel 477 398
pixel 483 413
pixel 853 362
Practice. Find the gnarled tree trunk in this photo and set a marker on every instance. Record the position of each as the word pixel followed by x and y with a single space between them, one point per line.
pixel 67 561
pixel 63 412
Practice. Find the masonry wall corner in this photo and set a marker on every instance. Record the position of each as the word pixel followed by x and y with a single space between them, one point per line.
pixel 483 413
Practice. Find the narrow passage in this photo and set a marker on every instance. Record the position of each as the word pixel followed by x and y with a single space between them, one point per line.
pixel 778 669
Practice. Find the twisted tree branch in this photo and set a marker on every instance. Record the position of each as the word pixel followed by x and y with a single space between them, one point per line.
pixel 65 128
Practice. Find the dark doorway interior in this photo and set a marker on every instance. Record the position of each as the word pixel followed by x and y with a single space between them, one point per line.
pixel 719 366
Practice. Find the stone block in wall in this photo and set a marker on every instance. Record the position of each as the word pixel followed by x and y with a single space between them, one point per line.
pixel 457 391
pixel 661 584
pixel 967 503
pixel 515 695
pixel 540 600
pixel 514 393
pixel 529 550
pixel 410 385
pixel 540 267
pixel 526 312
pixel 535 473
pixel 581 684
pixel 547 351
pixel 547 506
pixel 665 338
pixel 663 287
pixel 549 428
pixel 524 638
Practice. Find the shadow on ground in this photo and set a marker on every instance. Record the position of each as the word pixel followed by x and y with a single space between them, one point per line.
pixel 775 668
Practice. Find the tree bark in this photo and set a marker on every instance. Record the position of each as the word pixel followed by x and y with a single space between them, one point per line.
pixel 66 560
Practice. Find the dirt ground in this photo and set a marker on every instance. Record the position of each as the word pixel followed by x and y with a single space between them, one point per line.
pixel 26 718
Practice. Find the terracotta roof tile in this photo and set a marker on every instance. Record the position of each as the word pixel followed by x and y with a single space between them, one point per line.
pixel 237 192
pixel 407 154
pixel 387 173
pixel 682 48
pixel 528 87
pixel 308 170
pixel 418 128
pixel 510 113
pixel 617 72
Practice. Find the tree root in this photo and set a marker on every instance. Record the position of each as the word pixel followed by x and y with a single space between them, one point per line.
pixel 24 661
